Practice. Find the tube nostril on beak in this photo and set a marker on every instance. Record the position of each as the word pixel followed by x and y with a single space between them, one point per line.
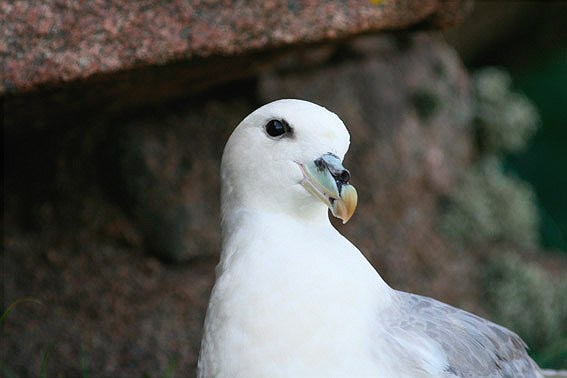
pixel 344 176
pixel 333 164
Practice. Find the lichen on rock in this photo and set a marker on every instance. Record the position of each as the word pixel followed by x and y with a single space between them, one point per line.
pixel 523 296
pixel 495 214
pixel 490 205
pixel 505 119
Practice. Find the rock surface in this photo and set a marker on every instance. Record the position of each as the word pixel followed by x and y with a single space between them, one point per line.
pixel 115 117
pixel 150 178
pixel 116 114
pixel 56 41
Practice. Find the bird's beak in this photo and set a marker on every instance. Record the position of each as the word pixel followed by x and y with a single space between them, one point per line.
pixel 327 179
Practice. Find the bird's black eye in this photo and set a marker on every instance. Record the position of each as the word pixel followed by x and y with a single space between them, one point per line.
pixel 275 128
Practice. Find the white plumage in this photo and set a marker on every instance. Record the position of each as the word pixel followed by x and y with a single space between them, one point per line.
pixel 294 298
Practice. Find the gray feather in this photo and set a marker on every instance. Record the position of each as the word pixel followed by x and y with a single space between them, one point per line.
pixel 473 346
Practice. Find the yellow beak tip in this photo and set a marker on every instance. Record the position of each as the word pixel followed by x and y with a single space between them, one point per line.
pixel 344 207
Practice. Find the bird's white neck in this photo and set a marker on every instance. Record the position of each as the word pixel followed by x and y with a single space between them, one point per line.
pixel 303 245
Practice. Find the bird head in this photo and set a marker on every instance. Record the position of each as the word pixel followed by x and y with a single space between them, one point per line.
pixel 287 156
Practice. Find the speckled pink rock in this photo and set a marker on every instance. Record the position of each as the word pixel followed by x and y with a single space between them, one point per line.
pixel 50 41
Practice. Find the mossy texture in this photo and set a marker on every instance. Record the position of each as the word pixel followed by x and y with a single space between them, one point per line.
pixel 506 120
pixel 523 297
pixel 489 206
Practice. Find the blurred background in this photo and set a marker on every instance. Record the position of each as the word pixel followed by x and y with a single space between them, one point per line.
pixel 116 114
pixel 527 40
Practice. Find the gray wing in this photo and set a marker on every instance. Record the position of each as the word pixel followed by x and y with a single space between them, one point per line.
pixel 474 347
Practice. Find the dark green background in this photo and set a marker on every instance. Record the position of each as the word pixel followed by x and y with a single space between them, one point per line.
pixel 528 39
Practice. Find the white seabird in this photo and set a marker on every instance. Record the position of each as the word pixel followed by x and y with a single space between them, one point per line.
pixel 294 298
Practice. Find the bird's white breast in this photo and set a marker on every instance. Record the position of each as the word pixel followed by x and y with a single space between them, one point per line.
pixel 289 299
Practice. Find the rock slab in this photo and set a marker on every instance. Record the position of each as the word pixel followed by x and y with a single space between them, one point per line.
pixel 53 41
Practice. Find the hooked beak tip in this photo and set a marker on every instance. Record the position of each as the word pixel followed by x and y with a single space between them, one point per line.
pixel 345 206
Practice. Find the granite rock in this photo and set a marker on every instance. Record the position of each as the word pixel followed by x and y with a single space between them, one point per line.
pixel 116 113
pixel 88 208
pixel 54 41
pixel 167 177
